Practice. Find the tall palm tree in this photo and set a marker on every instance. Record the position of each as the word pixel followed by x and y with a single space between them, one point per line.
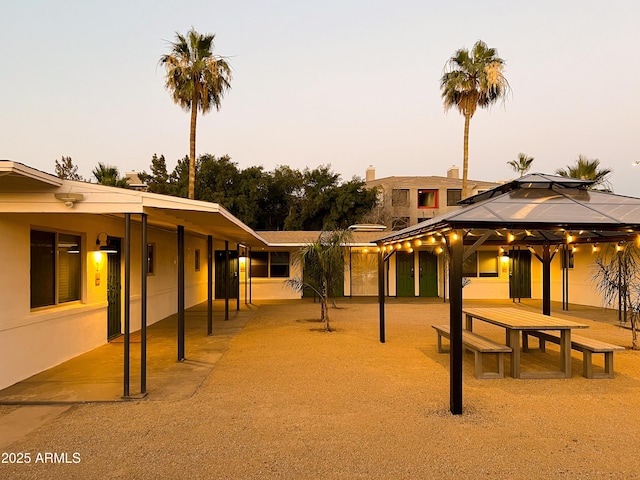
pixel 198 80
pixel 471 80
pixel 587 169
pixel 522 164
pixel 109 175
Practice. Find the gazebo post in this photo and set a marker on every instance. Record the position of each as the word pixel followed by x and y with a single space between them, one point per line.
pixel 455 320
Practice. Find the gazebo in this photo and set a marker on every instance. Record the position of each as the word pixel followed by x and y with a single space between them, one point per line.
pixel 539 212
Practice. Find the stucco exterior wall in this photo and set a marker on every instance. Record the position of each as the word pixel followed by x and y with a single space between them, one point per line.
pixel 32 340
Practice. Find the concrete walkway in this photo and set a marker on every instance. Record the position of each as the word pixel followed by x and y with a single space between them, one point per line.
pixel 98 375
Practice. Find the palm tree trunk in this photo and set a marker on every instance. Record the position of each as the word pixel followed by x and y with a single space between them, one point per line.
pixel 192 150
pixel 465 156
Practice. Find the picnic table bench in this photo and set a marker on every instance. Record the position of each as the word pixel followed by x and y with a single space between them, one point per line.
pixel 480 346
pixel 588 346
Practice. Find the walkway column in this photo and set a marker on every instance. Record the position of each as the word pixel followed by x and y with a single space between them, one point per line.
pixel 127 300
pixel 209 285
pixel 143 307
pixel 226 280
pixel 237 276
pixel 180 293
pixel 456 249
pixel 546 279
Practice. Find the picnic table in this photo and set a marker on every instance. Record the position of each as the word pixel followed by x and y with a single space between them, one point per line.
pixel 516 321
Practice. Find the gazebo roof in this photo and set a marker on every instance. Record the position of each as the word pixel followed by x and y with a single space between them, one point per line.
pixel 536 208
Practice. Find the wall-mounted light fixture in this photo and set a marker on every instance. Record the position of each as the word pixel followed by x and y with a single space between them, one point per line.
pixel 69 199
pixel 102 245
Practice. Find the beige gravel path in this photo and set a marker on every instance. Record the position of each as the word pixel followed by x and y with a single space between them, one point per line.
pixel 289 401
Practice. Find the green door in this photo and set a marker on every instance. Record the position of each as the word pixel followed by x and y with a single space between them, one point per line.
pixel 114 295
pixel 404 275
pixel 428 274
pixel 220 274
pixel 519 274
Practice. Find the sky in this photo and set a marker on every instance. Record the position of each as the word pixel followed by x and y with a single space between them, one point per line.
pixel 349 83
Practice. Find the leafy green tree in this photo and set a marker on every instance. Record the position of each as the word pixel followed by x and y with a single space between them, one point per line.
pixel 522 164
pixel 472 79
pixel 179 178
pixel 198 80
pixel 322 263
pixel 252 187
pixel 616 274
pixel 158 180
pixel 587 169
pixel 67 170
pixel 282 190
pixel 218 180
pixel 109 175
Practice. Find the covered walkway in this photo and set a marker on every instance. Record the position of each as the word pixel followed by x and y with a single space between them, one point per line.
pixel 97 376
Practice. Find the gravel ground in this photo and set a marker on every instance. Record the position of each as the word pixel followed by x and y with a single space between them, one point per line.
pixel 290 401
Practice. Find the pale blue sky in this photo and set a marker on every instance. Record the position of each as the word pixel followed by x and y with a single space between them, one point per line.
pixel 347 82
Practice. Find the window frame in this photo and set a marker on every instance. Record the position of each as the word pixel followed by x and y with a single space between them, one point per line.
pixel 435 192
pixel 451 203
pixel 73 279
pixel 267 268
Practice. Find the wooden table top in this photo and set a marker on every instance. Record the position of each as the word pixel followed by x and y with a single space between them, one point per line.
pixel 519 319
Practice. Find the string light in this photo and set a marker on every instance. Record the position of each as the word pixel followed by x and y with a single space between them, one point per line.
pixel 418 242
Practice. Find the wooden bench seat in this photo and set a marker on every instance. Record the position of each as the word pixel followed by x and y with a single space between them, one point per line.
pixel 588 346
pixel 480 346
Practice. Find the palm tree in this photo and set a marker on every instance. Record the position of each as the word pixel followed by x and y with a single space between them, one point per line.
pixel 471 80
pixel 323 265
pixel 198 80
pixel 108 175
pixel 522 164
pixel 616 275
pixel 587 169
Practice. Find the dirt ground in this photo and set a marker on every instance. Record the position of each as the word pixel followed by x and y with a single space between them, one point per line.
pixel 288 400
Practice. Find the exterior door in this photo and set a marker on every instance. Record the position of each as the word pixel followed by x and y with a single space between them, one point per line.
pixel 519 274
pixel 404 275
pixel 220 272
pixel 428 274
pixel 114 294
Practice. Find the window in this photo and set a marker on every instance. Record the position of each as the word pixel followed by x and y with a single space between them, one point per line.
pixel 151 259
pixel 427 198
pixel 454 195
pixel 197 259
pixel 481 264
pixel 488 264
pixel 259 264
pixel 400 197
pixel 270 264
pixel 279 264
pixel 470 266
pixel 56 268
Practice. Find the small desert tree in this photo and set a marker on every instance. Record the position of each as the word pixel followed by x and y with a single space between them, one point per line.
pixel 321 263
pixel 616 275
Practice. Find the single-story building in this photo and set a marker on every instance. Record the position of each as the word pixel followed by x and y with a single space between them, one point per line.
pixel 84 263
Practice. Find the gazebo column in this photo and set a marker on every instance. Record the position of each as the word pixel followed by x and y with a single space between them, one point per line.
pixel 456 249
pixel 381 293
pixel 546 279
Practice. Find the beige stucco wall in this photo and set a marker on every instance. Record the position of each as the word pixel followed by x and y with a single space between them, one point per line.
pixel 32 340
